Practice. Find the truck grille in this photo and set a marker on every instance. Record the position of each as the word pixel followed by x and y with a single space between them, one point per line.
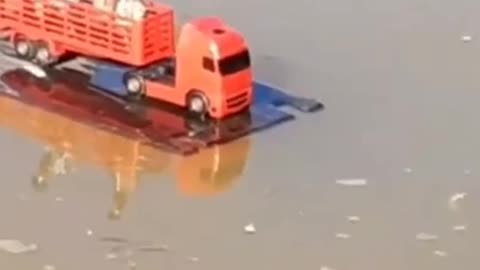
pixel 237 101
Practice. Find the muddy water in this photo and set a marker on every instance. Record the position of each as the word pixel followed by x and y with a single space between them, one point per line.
pixel 399 130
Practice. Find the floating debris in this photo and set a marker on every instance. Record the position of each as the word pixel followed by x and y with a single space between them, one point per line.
pixel 440 253
pixel 89 232
pixel 459 228
pixel 426 237
pixel 467 172
pixel 113 240
pixel 301 213
pixel 16 246
pixel 353 219
pixel 250 228
pixel 326 268
pixel 111 256
pixel 124 250
pixel 48 267
pixel 458 196
pixel 132 264
pixel 352 182
pixel 343 236
pixel 153 248
pixel 467 38
pixel 193 259
pixel 455 198
pixel 407 170
pixel 59 199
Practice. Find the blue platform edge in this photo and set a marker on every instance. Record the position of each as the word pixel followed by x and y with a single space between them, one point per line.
pixel 266 106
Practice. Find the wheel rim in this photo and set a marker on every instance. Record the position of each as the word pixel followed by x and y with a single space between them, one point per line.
pixel 197 105
pixel 134 85
pixel 43 55
pixel 23 48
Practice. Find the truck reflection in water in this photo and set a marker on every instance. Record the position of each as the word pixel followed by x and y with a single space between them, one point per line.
pixel 75 133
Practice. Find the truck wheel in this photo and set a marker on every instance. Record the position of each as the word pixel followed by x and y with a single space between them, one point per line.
pixel 24 48
pixel 43 56
pixel 197 104
pixel 135 86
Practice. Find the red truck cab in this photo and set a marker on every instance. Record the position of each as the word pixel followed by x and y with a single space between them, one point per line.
pixel 210 73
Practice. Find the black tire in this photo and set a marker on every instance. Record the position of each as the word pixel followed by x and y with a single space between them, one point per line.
pixel 24 49
pixel 197 105
pixel 135 86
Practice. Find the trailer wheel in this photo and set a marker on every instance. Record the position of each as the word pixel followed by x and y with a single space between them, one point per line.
pixel 197 104
pixel 24 48
pixel 135 86
pixel 43 55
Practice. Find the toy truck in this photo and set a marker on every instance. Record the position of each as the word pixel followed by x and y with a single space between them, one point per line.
pixel 206 70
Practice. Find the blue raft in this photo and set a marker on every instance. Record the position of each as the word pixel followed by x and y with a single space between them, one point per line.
pixel 265 111
pixel 96 98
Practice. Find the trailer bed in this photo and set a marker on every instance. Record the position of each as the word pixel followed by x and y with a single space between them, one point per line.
pixel 82 29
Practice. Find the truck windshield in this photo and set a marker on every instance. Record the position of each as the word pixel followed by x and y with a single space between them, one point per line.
pixel 234 63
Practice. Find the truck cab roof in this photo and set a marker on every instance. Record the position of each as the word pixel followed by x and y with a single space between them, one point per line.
pixel 227 39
